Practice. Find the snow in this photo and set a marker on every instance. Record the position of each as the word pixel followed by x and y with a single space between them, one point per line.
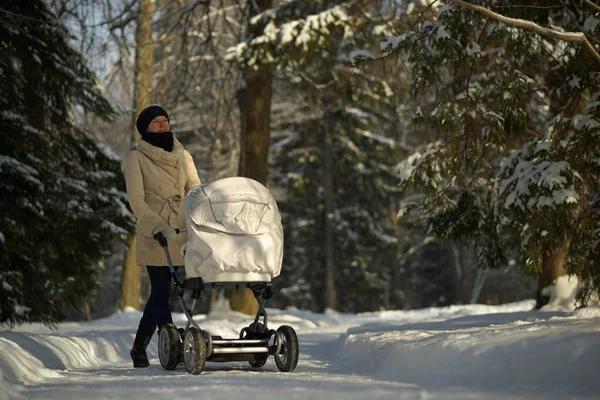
pixel 289 32
pixel 473 49
pixel 114 228
pixel 359 55
pixel 378 138
pixel 392 42
pixel 590 24
pixel 587 122
pixel 23 170
pixel 544 174
pixel 301 33
pixel 562 295
pixel 76 184
pixel 418 113
pixel 455 352
pixel 108 152
pixel 574 82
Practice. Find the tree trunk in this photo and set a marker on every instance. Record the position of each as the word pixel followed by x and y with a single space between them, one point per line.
pixel 330 294
pixel 254 102
pixel 130 284
pixel 553 265
pixel 88 310
pixel 395 295
pixel 143 96
pixel 463 275
pixel 552 269
pixel 144 60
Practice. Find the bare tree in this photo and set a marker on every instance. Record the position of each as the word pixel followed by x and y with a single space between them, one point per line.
pixel 144 95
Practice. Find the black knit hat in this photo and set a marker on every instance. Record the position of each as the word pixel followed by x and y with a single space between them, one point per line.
pixel 147 115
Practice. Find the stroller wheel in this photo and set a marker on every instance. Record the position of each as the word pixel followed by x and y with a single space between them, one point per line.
pixel 287 358
pixel 194 351
pixel 168 346
pixel 259 361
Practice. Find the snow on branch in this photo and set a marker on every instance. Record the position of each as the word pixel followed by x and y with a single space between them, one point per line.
pixel 577 37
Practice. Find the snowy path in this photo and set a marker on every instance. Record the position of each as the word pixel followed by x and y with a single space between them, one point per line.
pixel 315 378
pixel 311 380
pixel 460 352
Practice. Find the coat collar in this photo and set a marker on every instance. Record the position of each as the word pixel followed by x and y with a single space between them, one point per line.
pixel 157 154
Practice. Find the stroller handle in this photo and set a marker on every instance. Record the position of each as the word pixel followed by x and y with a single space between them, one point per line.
pixel 162 240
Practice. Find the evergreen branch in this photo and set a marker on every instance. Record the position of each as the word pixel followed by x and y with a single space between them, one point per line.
pixel 578 25
pixel 466 131
pixel 576 37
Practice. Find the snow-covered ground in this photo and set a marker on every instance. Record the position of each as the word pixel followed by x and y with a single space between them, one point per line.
pixel 457 352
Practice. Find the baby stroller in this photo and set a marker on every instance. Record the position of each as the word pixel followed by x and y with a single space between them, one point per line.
pixel 235 239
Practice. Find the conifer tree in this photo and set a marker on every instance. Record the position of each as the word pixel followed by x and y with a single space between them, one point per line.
pixel 512 89
pixel 336 168
pixel 62 194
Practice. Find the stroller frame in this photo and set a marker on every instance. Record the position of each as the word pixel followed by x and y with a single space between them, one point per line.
pixel 255 343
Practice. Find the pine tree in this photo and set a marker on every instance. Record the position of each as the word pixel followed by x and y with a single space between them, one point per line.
pixel 336 166
pixel 508 97
pixel 63 203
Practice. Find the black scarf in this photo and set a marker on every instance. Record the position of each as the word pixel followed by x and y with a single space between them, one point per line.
pixel 164 140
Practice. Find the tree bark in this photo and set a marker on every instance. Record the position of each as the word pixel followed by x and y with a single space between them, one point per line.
pixel 143 96
pixel 552 269
pixel 130 284
pixel 254 102
pixel 463 274
pixel 330 294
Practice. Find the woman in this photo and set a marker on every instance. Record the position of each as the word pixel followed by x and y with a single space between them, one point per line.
pixel 158 173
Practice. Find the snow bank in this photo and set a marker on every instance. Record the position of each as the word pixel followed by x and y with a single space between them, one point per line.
pixel 9 391
pixel 35 358
pixel 521 351
pixel 562 294
pixel 501 350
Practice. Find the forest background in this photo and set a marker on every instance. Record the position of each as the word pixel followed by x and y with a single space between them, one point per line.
pixel 422 153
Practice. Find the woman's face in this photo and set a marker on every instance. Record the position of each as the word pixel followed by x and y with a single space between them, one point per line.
pixel 159 124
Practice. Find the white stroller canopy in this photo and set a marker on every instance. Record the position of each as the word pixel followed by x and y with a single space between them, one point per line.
pixel 234 232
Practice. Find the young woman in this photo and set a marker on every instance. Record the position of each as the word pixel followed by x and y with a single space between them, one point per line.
pixel 158 173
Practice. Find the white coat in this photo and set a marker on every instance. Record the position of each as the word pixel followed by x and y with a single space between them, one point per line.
pixel 157 181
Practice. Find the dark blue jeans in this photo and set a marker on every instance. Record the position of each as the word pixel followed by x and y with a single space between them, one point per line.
pixel 157 311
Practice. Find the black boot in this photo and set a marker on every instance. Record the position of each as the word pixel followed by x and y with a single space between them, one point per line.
pixel 142 338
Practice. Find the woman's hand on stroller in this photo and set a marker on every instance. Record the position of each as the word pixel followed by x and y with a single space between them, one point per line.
pixel 166 230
